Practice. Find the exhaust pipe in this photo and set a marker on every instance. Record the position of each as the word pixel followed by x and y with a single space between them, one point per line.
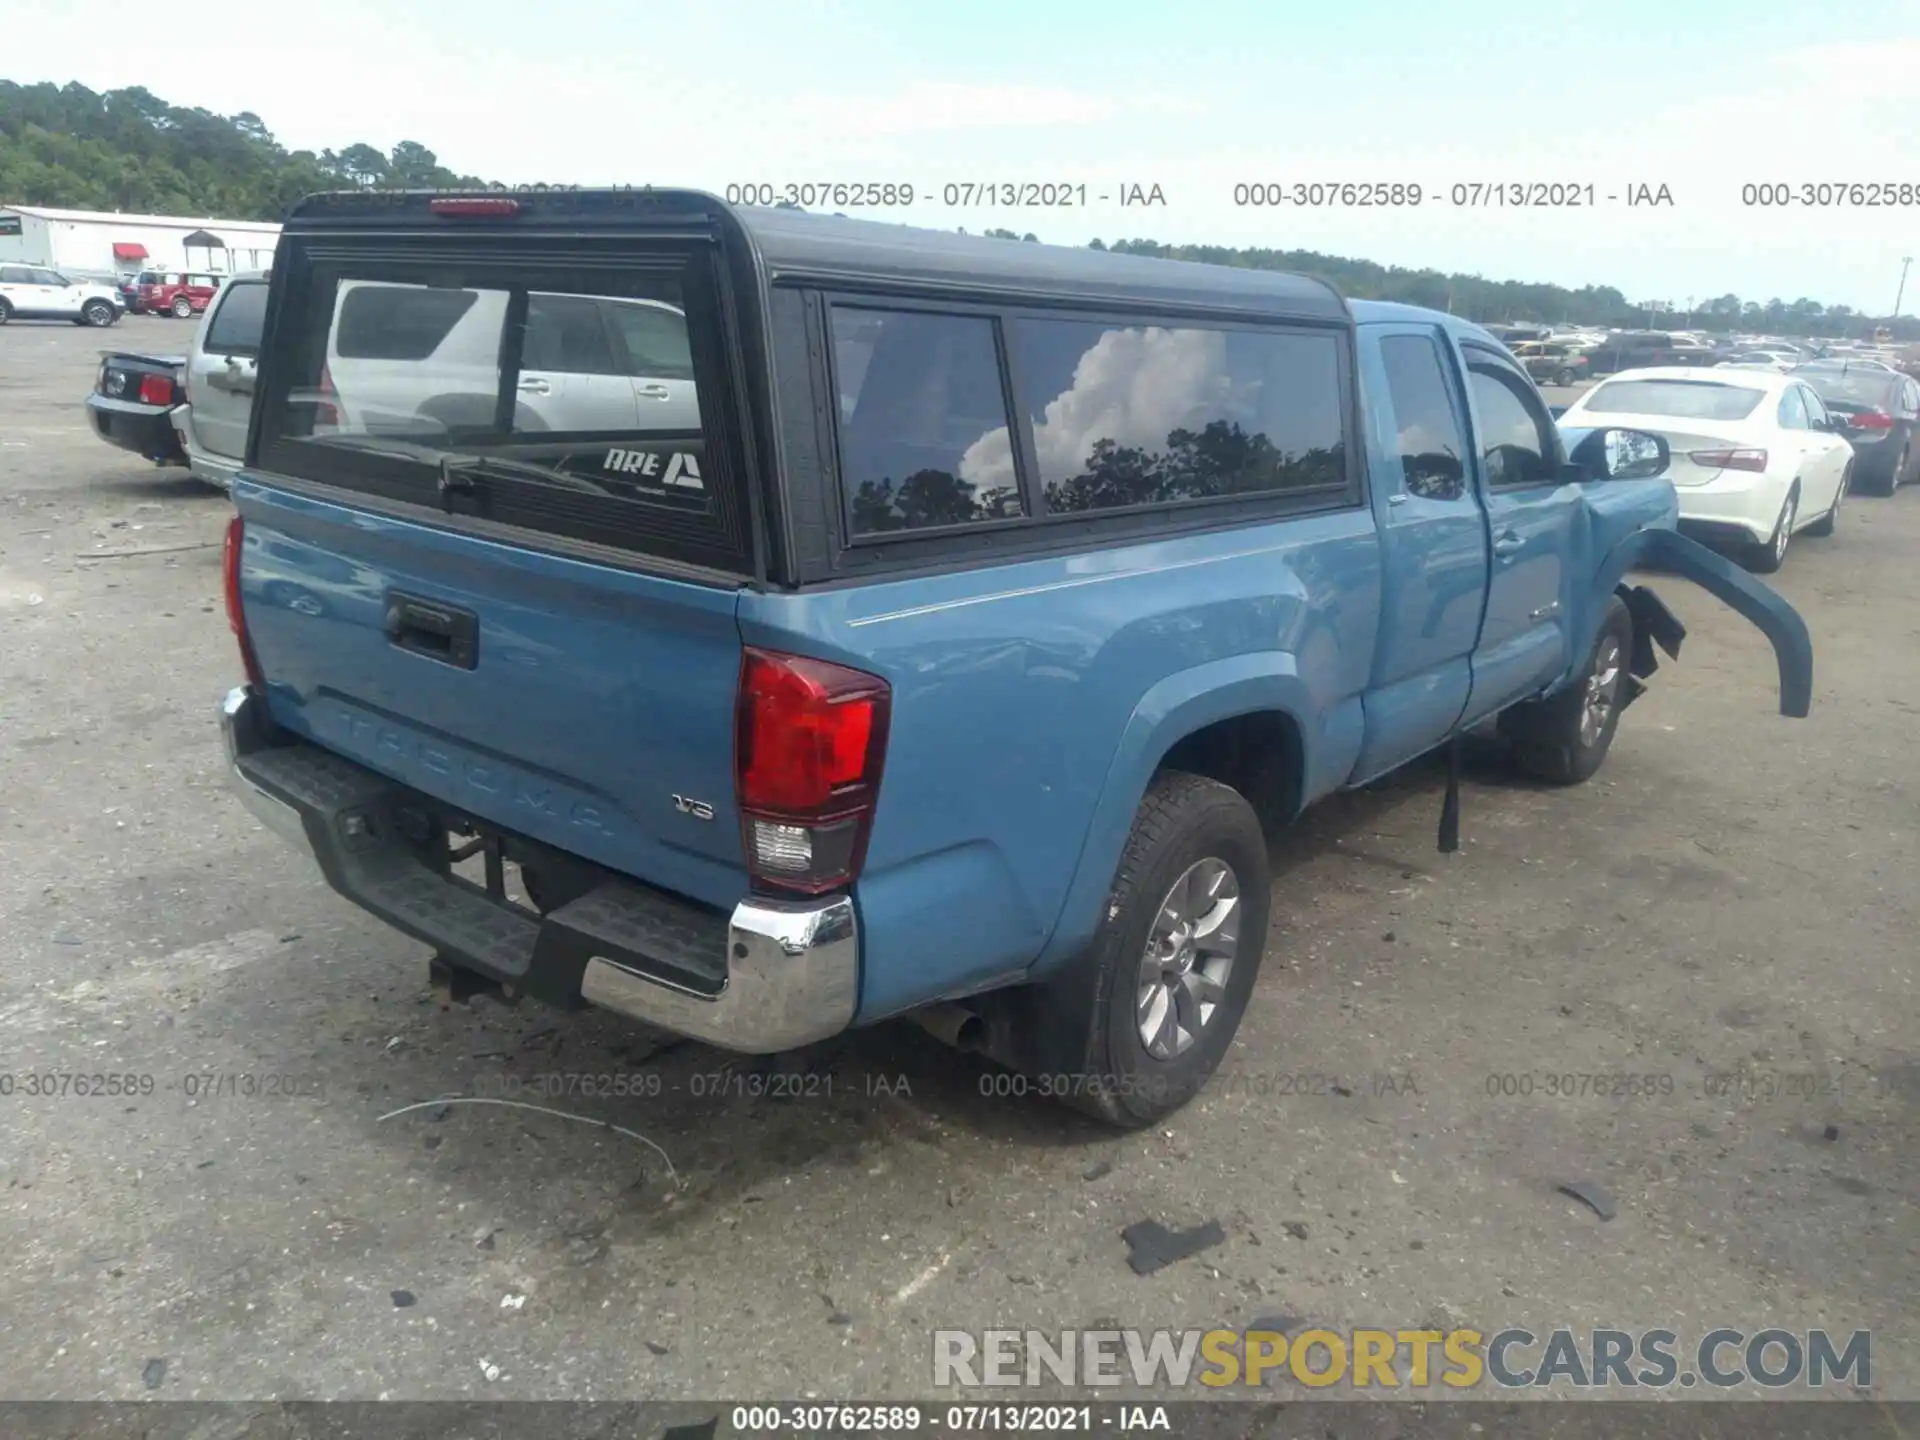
pixel 954 1025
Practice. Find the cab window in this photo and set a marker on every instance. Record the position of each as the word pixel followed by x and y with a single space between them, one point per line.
pixel 1518 443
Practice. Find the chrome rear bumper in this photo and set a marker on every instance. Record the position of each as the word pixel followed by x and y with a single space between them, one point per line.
pixel 787 974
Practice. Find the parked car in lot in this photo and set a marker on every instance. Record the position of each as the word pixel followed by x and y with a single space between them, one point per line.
pixel 1879 411
pixel 1630 350
pixel 1552 363
pixel 180 294
pixel 1756 458
pixel 951 665
pixel 219 380
pixel 400 352
pixel 1848 362
pixel 1511 335
pixel 1778 361
pixel 33 292
pixel 133 401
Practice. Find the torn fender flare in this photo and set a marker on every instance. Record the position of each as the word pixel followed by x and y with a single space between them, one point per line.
pixel 1718 576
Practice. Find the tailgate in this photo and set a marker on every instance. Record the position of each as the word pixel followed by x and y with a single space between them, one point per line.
pixel 567 701
pixel 495 522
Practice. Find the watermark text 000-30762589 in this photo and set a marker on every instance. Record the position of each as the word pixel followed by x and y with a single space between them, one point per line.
pixel 982 193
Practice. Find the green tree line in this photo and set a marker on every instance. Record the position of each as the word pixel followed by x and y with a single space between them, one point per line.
pixel 1500 302
pixel 130 151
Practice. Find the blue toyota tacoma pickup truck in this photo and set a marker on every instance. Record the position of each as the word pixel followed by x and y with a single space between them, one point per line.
pixel 763 624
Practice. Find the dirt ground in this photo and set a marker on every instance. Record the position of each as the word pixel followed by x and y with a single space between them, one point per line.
pixel 1733 896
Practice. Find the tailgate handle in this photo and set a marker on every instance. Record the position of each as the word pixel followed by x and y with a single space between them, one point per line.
pixel 438 631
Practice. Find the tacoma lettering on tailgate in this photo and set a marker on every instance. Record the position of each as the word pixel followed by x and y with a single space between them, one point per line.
pixel 399 749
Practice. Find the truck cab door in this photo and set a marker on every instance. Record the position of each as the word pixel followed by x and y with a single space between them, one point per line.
pixel 1433 539
pixel 1531 511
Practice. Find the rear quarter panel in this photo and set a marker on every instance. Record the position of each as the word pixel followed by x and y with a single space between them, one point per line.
pixel 1032 702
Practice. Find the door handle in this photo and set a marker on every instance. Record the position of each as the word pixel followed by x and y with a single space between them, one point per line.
pixel 1399 499
pixel 652 392
pixel 535 387
pixel 1507 543
pixel 446 633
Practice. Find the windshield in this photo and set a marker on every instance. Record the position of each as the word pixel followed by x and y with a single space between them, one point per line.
pixel 1875 388
pixel 1682 399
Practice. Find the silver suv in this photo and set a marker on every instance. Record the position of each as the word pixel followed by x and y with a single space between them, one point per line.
pixel 220 378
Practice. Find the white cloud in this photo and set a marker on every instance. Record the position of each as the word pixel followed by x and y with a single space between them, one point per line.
pixel 1133 387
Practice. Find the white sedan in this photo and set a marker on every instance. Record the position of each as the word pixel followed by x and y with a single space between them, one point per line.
pixel 1779 361
pixel 1756 457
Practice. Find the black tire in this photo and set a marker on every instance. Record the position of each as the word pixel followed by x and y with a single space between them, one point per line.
pixel 1091 1012
pixel 1895 475
pixel 6 312
pixel 1550 738
pixel 182 308
pixel 1767 557
pixel 1563 378
pixel 97 313
pixel 1824 525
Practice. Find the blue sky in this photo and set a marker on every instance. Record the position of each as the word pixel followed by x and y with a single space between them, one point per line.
pixel 1701 97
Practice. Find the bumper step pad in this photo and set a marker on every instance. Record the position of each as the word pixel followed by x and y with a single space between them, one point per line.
pixel 356 825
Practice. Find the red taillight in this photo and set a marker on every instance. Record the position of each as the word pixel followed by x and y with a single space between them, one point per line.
pixel 236 615
pixel 474 205
pixel 156 390
pixel 1729 459
pixel 808 749
pixel 325 411
pixel 1869 420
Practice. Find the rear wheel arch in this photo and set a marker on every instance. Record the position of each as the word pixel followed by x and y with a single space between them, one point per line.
pixel 1258 753
pixel 1217 717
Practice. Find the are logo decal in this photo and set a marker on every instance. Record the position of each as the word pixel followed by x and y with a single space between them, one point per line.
pixel 682 470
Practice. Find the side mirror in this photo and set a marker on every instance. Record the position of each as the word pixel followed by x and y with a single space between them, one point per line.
pixel 1616 454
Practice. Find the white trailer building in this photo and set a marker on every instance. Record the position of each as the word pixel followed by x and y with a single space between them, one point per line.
pixel 93 242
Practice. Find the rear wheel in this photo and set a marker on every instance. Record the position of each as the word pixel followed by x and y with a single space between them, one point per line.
pixel 6 312
pixel 1565 737
pixel 1767 557
pixel 1563 378
pixel 182 308
pixel 98 313
pixel 1145 1015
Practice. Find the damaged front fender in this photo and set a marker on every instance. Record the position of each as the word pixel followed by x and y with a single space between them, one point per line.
pixel 1758 602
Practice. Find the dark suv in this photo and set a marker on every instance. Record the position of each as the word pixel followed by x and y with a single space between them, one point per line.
pixel 1552 363
pixel 1633 350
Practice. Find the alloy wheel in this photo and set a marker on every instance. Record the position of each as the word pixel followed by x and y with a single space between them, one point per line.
pixel 1603 687
pixel 1189 955
pixel 1784 533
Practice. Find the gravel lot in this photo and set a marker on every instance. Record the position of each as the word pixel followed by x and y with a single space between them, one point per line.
pixel 1734 893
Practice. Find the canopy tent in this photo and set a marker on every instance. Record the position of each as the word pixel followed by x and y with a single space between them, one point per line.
pixel 209 242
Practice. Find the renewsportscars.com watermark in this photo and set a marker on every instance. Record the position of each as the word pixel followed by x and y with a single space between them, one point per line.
pixel 1388 1360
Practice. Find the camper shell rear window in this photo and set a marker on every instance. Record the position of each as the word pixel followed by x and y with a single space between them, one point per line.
pixel 571 396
